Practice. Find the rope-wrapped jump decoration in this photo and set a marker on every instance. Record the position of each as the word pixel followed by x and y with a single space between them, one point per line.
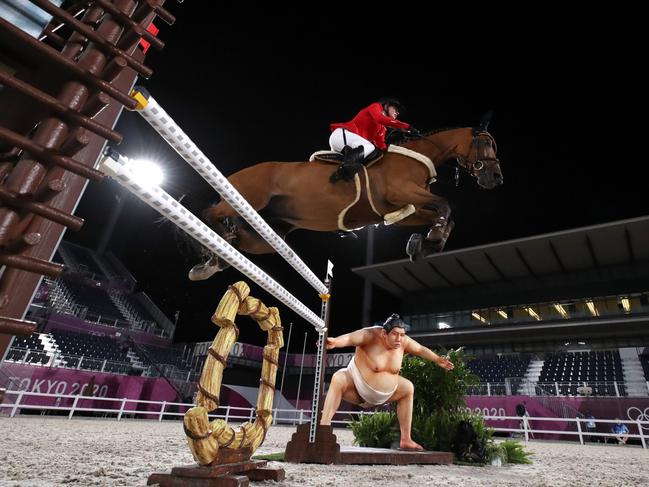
pixel 206 438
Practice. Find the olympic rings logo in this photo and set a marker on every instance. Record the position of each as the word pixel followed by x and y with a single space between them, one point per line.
pixel 637 414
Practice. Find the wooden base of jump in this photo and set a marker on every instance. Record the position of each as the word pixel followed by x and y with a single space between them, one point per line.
pixel 327 450
pixel 233 468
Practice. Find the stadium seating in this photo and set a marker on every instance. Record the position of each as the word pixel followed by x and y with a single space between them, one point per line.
pixel 73 346
pixel 644 360
pixel 84 259
pixel 96 299
pixel 29 349
pixel 160 355
pixel 496 369
pixel 576 368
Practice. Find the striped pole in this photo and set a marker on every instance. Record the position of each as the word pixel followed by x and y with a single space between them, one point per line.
pixel 170 131
pixel 119 167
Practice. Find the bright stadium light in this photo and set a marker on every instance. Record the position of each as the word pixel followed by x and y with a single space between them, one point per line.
pixel 626 304
pixel 562 311
pixel 503 313
pixel 532 313
pixel 592 308
pixel 146 173
pixel 479 318
pixel 442 326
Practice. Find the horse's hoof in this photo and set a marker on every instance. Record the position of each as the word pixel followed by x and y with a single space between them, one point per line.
pixel 435 247
pixel 205 270
pixel 415 246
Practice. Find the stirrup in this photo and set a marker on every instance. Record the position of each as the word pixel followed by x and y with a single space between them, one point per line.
pixel 347 234
pixel 346 171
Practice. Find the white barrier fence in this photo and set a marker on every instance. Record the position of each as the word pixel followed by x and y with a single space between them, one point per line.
pixel 528 432
pixel 300 416
pixel 292 416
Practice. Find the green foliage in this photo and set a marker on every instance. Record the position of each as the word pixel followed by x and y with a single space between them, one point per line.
pixel 482 431
pixel 375 430
pixel 516 452
pixel 439 408
pixel 271 457
pixel 435 388
pixel 494 450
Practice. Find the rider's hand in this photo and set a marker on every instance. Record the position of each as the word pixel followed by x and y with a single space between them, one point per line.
pixel 331 343
pixel 413 131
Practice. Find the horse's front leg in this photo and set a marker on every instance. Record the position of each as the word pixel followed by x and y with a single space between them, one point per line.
pixel 437 215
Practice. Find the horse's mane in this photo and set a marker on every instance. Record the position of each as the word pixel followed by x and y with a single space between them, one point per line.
pixel 410 138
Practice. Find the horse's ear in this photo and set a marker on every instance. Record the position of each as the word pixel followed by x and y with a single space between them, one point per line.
pixel 486 119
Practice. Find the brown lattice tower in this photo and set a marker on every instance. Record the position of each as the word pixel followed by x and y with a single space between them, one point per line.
pixel 62 95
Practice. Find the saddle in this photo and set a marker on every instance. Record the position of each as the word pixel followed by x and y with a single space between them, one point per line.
pixel 333 157
pixel 363 187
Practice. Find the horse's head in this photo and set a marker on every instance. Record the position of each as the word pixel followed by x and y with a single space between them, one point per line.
pixel 479 159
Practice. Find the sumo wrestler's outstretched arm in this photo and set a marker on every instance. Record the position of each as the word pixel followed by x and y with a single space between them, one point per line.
pixel 414 348
pixel 353 339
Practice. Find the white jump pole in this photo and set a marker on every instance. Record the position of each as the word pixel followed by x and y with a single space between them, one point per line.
pixel 119 167
pixel 170 131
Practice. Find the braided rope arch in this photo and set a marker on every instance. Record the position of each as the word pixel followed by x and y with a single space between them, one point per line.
pixel 204 438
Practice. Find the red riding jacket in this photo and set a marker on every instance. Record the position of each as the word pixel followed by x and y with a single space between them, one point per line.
pixel 370 124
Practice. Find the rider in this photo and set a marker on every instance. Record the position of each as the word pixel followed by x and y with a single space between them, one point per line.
pixel 364 134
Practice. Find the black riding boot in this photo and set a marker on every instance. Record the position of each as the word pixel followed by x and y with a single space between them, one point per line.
pixel 352 163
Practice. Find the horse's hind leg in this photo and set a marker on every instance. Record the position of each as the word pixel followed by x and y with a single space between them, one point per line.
pixel 248 240
pixel 238 233
pixel 213 263
pixel 225 221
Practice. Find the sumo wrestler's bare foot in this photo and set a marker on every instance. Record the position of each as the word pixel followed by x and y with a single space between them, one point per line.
pixel 409 445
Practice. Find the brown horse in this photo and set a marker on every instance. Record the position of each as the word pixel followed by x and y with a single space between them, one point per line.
pixel 392 189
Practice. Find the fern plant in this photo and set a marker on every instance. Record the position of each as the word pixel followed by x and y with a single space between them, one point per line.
pixel 515 452
pixel 376 430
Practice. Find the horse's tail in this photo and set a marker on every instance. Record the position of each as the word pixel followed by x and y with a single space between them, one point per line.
pixel 187 246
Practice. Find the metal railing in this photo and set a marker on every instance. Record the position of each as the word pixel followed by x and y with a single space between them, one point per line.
pixel 159 410
pixel 59 360
pixel 74 403
pixel 512 387
pixel 528 432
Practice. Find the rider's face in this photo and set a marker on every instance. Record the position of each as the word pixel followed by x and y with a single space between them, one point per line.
pixel 396 337
pixel 393 112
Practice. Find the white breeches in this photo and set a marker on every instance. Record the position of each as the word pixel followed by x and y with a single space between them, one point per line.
pixel 337 141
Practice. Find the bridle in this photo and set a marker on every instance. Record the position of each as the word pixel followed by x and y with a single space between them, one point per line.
pixel 482 141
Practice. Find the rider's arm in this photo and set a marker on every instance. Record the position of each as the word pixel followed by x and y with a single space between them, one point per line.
pixel 376 112
pixel 353 339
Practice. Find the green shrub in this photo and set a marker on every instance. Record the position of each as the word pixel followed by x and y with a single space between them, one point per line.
pixel 494 450
pixel 439 408
pixel 516 452
pixel 435 388
pixel 375 430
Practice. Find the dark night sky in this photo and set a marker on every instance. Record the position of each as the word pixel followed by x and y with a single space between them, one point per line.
pixel 254 83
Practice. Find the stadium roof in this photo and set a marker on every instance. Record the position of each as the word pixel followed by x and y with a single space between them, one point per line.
pixel 589 252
